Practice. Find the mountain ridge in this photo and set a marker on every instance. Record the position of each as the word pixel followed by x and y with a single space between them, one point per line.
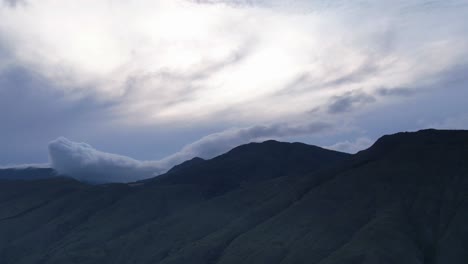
pixel 403 200
pixel 29 173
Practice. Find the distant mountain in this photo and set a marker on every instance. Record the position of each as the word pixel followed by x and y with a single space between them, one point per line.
pixel 29 173
pixel 249 163
pixel 404 200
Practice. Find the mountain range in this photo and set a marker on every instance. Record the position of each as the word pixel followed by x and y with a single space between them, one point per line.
pixel 403 200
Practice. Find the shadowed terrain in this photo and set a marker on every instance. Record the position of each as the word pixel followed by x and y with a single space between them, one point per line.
pixel 27 174
pixel 404 200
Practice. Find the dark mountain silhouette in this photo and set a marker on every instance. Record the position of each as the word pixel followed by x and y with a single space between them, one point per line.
pixel 29 173
pixel 404 200
pixel 249 163
pixel 186 164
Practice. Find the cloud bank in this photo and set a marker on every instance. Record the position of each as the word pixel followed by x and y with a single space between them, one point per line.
pixel 25 166
pixel 83 162
pixel 167 61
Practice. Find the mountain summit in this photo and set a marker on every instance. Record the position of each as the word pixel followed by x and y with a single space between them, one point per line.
pixel 251 163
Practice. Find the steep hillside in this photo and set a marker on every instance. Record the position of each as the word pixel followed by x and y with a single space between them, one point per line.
pixel 404 200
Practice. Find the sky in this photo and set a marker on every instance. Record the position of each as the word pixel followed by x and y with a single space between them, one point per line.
pixel 85 85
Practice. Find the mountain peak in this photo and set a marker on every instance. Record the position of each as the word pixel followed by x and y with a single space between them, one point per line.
pixel 251 162
pixel 426 136
pixel 421 139
pixel 186 164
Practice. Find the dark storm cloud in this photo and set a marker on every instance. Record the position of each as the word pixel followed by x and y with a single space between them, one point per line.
pixel 348 101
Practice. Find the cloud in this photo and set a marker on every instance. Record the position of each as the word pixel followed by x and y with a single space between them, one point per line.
pixel 14 3
pixel 229 2
pixel 85 163
pixel 143 55
pixel 399 91
pixel 348 101
pixel 25 166
pixel 218 143
pixel 352 146
pixel 167 72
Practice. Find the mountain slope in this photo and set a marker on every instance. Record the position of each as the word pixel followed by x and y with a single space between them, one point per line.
pixel 404 200
pixel 106 214
pixel 398 202
pixel 27 173
pixel 251 163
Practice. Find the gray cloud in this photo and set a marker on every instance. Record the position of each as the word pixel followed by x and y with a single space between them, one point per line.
pixel 201 71
pixel 365 70
pixel 13 3
pixel 395 92
pixel 306 83
pixel 348 101
pixel 85 163
pixel 176 87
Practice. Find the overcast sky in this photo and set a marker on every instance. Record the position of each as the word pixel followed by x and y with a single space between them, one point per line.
pixel 148 79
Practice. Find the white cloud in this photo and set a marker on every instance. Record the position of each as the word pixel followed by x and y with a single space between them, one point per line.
pixel 218 143
pixel 352 146
pixel 83 162
pixel 171 60
pixel 25 166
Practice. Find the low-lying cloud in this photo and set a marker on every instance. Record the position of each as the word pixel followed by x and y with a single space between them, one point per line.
pixel 352 146
pixel 83 162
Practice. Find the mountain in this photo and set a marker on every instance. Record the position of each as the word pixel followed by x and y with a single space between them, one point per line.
pixel 404 200
pixel 29 173
pixel 186 164
pixel 250 163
